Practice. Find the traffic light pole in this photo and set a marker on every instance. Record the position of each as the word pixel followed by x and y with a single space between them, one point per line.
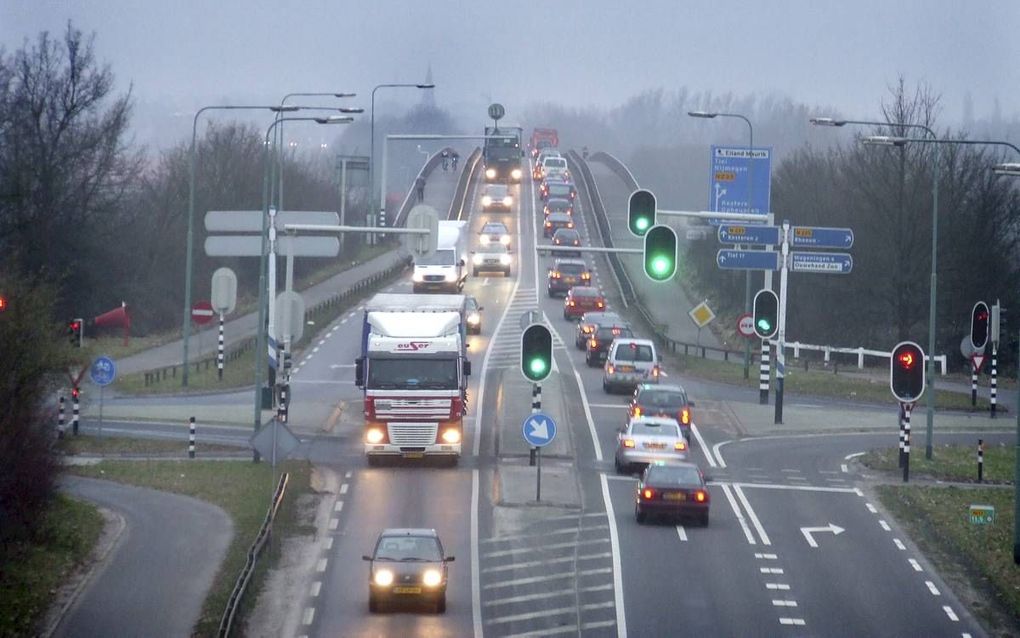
pixel 781 337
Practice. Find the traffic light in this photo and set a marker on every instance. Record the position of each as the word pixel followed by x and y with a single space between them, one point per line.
pixel 3 303
pixel 74 327
pixel 979 326
pixel 766 314
pixel 536 352
pixel 640 212
pixel 660 253
pixel 906 372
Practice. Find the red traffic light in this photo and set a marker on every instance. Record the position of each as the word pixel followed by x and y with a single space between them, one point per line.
pixel 75 391
pixel 906 360
pixel 906 372
pixel 3 303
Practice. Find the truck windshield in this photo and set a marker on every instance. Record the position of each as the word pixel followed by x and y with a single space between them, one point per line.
pixel 440 258
pixel 412 374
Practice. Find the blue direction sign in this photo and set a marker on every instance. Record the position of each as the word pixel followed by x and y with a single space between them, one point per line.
pixel 738 183
pixel 733 234
pixel 813 237
pixel 830 263
pixel 747 259
pixel 103 371
pixel 539 429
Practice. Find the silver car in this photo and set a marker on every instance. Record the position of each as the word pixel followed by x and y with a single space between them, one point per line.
pixel 630 362
pixel 649 439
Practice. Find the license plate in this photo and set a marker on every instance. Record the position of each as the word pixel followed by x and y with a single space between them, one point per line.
pixel 568 280
pixel 675 496
pixel 625 368
pixel 414 455
pixel 407 590
pixel 655 446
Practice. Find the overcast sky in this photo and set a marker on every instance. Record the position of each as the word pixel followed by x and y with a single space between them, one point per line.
pixel 189 53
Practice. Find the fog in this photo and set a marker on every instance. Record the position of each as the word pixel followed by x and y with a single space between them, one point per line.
pixel 178 56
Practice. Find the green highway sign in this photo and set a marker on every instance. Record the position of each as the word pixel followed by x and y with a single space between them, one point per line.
pixel 982 514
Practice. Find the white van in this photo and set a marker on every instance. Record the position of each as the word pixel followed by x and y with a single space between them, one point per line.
pixel 629 363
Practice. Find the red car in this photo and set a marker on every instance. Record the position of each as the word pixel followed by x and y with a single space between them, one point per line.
pixel 582 299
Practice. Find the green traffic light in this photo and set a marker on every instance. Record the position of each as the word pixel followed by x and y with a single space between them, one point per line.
pixel 765 326
pixel 641 223
pixel 537 367
pixel 640 212
pixel 660 253
pixel 536 352
pixel 660 265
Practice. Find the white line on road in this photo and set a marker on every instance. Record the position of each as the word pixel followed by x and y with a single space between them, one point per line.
pixel 321 565
pixel 476 593
pixel 343 488
pixel 526 597
pixel 885 525
pixel 792 621
pixel 531 580
pixel 754 517
pixel 717 449
pixel 333 524
pixel 932 588
pixel 784 603
pixel 853 456
pixel 952 614
pixel 543 535
pixel 777 586
pixel 329 543
pixel 610 406
pixel 771 570
pixel 316 588
pixel 547 561
pixel 738 513
pixel 315 349
pixel 338 506
pixel 309 616
pixel 799 488
pixel 899 544
pixel 614 540
pixel 348 474
pixel 588 417
pixel 916 565
pixel 871 508
pixel 844 468
pixel 545 548
pixel 681 532
pixel 766 556
pixel 704 447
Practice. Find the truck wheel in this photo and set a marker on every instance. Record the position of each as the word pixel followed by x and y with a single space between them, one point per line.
pixel 441 604
pixel 373 605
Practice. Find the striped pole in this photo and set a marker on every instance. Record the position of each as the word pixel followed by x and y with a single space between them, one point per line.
pixel 191 438
pixel 281 410
pixel 906 442
pixel 973 386
pixel 74 410
pixel 536 407
pixel 902 434
pixel 981 460
pixel 219 351
pixel 60 419
pixel 994 389
pixel 763 373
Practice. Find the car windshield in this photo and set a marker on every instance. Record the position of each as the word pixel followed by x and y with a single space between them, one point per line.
pixel 654 429
pixel 408 548
pixel 633 352
pixel 662 397
pixel 558 204
pixel 555 162
pixel 559 218
pixel 471 304
pixel 572 269
pixel 496 190
pixel 584 292
pixel 559 189
pixel 494 229
pixel 673 475
pixel 439 258
pixel 406 373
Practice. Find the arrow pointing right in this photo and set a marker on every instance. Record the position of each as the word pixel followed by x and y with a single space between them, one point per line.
pixel 836 530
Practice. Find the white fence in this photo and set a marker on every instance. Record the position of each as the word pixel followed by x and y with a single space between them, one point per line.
pixel 861 352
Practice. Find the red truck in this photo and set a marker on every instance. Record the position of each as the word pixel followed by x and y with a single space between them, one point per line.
pixel 543 138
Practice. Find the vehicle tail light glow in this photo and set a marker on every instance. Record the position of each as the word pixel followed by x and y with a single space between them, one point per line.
pixel 647 493
pixel 655 371
pixel 610 369
pixel 680 446
pixel 685 416
pixel 570 303
pixel 570 224
pixel 701 496
pixel 594 343
pixel 586 275
pixel 555 274
pixel 635 411
pixel 599 304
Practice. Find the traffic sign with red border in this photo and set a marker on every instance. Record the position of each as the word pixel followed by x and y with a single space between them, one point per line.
pixel 976 360
pixel 202 312
pixel 745 325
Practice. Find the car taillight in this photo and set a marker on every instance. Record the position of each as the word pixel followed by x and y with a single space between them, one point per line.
pixel 701 496
pixel 570 224
pixel 594 343
pixel 586 329
pixel 555 274
pixel 548 224
pixel 647 493
pixel 610 369
pixel 586 275
pixel 685 416
pixel 655 371
pixel 635 411
pixel 628 443
pixel 680 446
pixel 599 304
pixel 570 303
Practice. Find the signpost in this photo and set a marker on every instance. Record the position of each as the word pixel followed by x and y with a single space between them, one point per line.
pixel 740 183
pixel 539 430
pixel 729 259
pixel 102 372
pixel 734 234
pixel 982 514
pixel 829 263
pixel 814 237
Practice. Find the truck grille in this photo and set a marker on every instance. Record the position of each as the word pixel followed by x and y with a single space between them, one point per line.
pixel 387 409
pixel 412 434
pixel 435 278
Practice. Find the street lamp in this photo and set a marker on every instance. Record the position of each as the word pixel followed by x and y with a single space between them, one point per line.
pixel 1010 168
pixel 891 140
pixel 261 328
pixel 189 250
pixel 371 154
pixel 709 115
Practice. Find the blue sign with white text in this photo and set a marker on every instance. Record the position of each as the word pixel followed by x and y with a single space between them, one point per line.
pixel 831 263
pixel 740 180
pixel 752 234
pixel 815 237
pixel 747 259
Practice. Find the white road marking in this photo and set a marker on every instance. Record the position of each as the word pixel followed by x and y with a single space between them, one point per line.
pixel 348 474
pixel 858 492
pixel 853 456
pixel 681 532
pixel 614 540
pixel 754 517
pixel 333 524
pixel 792 621
pixel 531 580
pixel 547 561
pixel 531 550
pixel 329 542
pixel 308 616
pixel 738 513
pixel 321 565
pixel 771 570
pixel 543 535
pixel 899 544
pixel 885 525
pixel 949 612
pixel 587 414
pixel 800 488
pixel 784 603
pixel 766 556
pixel 344 320
pixel 790 470
pixel 704 448
pixel 932 588
pixel 545 613
pixel 338 506
pixel 316 588
pixel 917 566
pixel 871 508
pixel 717 448
pixel 611 406
pixel 526 597
pixel 476 593
pixel 315 349
pixel 777 586
pixel 322 342
pixel 844 468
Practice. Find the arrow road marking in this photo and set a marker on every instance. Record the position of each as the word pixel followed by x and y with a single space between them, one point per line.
pixel 808 531
pixel 539 429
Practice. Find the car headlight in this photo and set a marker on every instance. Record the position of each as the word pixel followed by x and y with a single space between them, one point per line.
pixel 451 276
pixel 374 435
pixel 451 436
pixel 485 239
pixel 474 318
pixel 431 578
pixel 504 259
pixel 490 173
pixel 477 259
pixel 505 240
pixel 486 200
pixel 383 577
pixel 418 277
pixel 516 173
pixel 508 201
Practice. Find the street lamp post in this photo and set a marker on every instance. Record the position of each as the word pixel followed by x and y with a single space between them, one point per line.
pixel 750 193
pixel 189 250
pixel 371 154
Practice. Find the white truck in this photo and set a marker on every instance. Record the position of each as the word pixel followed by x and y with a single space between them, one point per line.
pixel 413 371
pixel 447 269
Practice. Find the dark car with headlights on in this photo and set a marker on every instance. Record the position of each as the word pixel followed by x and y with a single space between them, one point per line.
pixel 567 237
pixel 557 205
pixel 556 221
pixel 669 400
pixel 557 188
pixel 674 490
pixel 590 321
pixel 582 299
pixel 600 340
pixel 407 565
pixel 567 273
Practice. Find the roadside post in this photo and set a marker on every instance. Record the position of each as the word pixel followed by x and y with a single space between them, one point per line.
pixel 981 460
pixel 994 334
pixel 539 431
pixel 223 301
pixel 191 438
pixel 102 372
pixel 60 419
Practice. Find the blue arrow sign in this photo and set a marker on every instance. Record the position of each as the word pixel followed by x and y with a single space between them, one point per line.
pixel 103 371
pixel 733 234
pixel 814 237
pixel 747 259
pixel 738 183
pixel 829 263
pixel 539 429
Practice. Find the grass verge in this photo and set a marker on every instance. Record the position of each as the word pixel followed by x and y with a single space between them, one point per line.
pixel 243 490
pixel 122 445
pixel 954 463
pixel 32 570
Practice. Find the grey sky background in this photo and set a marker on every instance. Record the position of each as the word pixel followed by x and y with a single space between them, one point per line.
pixel 183 54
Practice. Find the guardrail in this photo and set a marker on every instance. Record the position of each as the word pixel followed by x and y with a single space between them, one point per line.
pixel 470 166
pixel 241 584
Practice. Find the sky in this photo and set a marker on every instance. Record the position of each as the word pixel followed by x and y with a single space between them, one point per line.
pixel 178 56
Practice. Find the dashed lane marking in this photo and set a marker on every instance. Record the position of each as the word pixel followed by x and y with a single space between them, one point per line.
pixel 784 603
pixel 792 621
pixel 316 588
pixel 777 586
pixel 949 612
pixel 885 525
pixel 917 566
pixel 871 508
pixel 541 579
pixel 932 588
pixel 681 532
pixel 321 565
pixel 308 616
pixel 899 544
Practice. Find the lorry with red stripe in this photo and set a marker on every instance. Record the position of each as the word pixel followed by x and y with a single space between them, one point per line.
pixel 542 138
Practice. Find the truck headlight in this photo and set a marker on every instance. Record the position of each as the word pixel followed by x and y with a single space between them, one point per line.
pixel 477 259
pixel 431 578
pixel 383 578
pixel 516 173
pixel 486 200
pixel 418 276
pixel 490 173
pixel 451 436
pixel 374 435
pixel 504 259
pixel 451 276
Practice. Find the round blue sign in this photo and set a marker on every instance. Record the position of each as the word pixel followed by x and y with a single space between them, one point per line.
pixel 103 371
pixel 539 429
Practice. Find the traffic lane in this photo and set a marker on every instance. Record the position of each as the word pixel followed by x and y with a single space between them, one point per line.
pixel 677 574
pixel 144 588
pixel 404 495
pixel 857 582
